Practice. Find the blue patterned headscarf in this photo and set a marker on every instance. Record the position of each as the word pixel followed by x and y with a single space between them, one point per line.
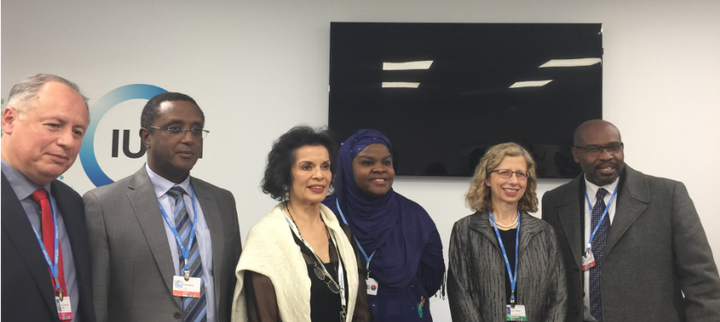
pixel 400 230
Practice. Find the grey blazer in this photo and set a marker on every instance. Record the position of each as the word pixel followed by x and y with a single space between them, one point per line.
pixel 477 271
pixel 131 262
pixel 656 252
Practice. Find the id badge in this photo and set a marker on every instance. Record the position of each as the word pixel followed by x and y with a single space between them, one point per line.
pixel 516 312
pixel 372 286
pixel 64 308
pixel 588 261
pixel 183 288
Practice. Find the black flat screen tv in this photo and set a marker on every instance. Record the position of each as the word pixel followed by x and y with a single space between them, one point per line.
pixel 445 92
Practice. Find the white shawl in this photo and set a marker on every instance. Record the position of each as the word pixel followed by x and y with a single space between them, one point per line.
pixel 270 250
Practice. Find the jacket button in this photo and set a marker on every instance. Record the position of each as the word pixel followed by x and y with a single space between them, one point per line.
pixel 177 315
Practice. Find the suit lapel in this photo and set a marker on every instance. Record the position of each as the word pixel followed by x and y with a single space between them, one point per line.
pixel 147 211
pixel 213 219
pixel 570 214
pixel 481 224
pixel 18 228
pixel 633 200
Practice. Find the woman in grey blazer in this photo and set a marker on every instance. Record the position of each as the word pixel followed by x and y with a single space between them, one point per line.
pixel 504 263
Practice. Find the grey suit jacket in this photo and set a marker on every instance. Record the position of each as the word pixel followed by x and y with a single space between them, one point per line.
pixel 477 272
pixel 656 252
pixel 131 261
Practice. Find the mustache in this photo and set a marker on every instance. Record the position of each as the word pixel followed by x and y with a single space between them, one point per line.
pixel 606 164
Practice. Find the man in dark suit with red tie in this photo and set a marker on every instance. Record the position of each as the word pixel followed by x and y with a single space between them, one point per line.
pixel 633 245
pixel 45 254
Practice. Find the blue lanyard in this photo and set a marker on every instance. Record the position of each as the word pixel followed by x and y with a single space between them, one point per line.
pixel 597 226
pixel 367 259
pixel 513 277
pixel 52 264
pixel 185 250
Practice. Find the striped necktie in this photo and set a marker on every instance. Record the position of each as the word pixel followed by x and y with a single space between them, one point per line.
pixel 194 309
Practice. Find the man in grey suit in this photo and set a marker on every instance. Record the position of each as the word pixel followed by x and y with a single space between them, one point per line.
pixel 164 244
pixel 648 259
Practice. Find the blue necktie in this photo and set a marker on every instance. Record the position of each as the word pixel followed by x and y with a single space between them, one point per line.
pixel 598 249
pixel 194 309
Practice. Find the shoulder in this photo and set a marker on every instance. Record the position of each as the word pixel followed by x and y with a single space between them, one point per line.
pixel 132 181
pixel 269 243
pixel 200 183
pixel 267 227
pixel 571 187
pixel 66 191
pixel 108 190
pixel 473 219
pixel 66 198
pixel 539 224
pixel 652 181
pixel 410 204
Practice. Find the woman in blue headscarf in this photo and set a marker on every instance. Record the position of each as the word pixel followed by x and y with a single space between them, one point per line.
pixel 399 242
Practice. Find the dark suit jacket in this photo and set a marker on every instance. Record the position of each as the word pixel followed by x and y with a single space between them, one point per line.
pixel 27 293
pixel 132 264
pixel 656 249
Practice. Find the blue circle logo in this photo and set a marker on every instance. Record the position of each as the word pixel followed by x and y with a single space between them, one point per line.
pixel 103 105
pixel 178 284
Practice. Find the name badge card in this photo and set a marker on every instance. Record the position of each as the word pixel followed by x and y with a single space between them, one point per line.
pixel 588 261
pixel 515 312
pixel 186 288
pixel 64 308
pixel 372 286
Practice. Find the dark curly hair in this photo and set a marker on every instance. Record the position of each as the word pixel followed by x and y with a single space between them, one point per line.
pixel 278 173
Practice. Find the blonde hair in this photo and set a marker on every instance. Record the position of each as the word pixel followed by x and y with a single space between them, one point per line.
pixel 478 198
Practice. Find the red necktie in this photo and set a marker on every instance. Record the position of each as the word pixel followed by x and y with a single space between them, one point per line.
pixel 48 235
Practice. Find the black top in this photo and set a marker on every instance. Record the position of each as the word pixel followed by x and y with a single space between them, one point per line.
pixel 324 304
pixel 508 239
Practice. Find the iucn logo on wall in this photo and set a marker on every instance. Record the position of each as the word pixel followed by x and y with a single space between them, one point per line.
pixel 87 152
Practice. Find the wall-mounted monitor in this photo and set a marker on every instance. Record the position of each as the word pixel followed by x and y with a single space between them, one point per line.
pixel 445 92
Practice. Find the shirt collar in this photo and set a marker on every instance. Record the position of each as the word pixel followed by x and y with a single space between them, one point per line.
pixel 592 188
pixel 162 185
pixel 21 184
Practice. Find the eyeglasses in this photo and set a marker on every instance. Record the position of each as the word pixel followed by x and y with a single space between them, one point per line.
pixel 319 273
pixel 506 174
pixel 595 150
pixel 175 130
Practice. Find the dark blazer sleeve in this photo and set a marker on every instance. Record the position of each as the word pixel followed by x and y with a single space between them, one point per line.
pixel 696 269
pixel 464 306
pixel 572 275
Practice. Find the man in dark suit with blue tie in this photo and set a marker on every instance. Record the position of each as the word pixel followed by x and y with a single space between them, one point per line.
pixel 45 253
pixel 633 245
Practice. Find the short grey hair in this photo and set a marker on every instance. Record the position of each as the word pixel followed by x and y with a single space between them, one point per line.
pixel 25 90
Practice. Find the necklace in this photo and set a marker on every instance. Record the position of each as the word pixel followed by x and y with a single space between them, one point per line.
pixel 327 234
pixel 508 226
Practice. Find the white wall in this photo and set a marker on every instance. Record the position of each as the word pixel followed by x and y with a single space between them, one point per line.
pixel 259 68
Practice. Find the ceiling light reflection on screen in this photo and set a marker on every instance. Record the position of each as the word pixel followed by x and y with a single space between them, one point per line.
pixel 400 85
pixel 577 62
pixel 539 83
pixel 410 65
